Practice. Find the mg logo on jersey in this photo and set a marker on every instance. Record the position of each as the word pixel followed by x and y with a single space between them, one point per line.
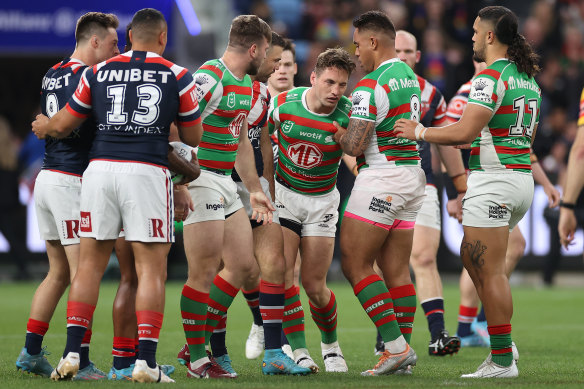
pixel 231 99
pixel 305 155
pixel 287 126
pixel 236 124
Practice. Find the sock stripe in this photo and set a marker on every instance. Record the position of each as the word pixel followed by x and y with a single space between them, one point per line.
pixel 37 327
pixel 380 297
pixel 434 311
pixel 502 351
pixel 365 282
pixel 251 291
pixel 502 329
pixel 79 314
pixel 402 291
pixel 269 288
pixel 195 295
pixel 225 286
pixel 291 292
pixel 294 328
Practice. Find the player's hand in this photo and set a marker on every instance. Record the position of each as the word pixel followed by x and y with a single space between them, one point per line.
pixel 183 203
pixel 454 207
pixel 39 126
pixel 553 196
pixel 340 132
pixel 262 207
pixel 567 227
pixel 405 128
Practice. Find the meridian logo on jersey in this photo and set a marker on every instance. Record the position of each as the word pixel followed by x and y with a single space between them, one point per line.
pixel 305 155
pixel 361 103
pixel 236 124
pixel 286 126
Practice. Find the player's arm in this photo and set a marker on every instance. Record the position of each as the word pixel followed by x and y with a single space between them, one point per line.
pixel 189 169
pixel 59 126
pixel 245 166
pixel 191 135
pixel 268 158
pixel 542 179
pixel 351 163
pixel 573 187
pixel 355 139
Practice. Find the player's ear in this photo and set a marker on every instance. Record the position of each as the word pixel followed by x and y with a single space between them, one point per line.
pixel 94 41
pixel 253 50
pixel 163 38
pixel 313 78
pixel 373 42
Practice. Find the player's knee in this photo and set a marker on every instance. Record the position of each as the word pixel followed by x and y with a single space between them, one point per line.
pixel 313 287
pixel 423 261
pixel 59 276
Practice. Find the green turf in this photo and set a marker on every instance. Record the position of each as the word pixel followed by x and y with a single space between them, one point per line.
pixel 548 327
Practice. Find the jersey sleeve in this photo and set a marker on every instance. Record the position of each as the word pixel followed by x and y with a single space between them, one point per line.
pixel 274 112
pixel 363 98
pixel 79 104
pixel 484 91
pixel 207 79
pixel 188 110
pixel 581 115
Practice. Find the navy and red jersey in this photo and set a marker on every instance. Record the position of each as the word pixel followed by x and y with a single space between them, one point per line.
pixel 256 120
pixel 134 97
pixel 71 154
pixel 433 115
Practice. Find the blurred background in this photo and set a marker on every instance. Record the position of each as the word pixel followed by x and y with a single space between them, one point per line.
pixel 35 34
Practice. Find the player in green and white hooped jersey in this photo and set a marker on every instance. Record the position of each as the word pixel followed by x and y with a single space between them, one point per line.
pixel 389 189
pixel 307 198
pixel 501 117
pixel 219 226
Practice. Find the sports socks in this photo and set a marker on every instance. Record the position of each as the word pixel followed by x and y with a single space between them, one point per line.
pixel 78 318
pixel 193 306
pixel 377 303
pixel 404 305
pixel 84 352
pixel 434 310
pixel 501 347
pixel 271 305
pixel 326 319
pixel 220 298
pixel 124 352
pixel 481 316
pixel 293 321
pixel 466 316
pixel 252 297
pixel 35 333
pixel 217 340
pixel 149 324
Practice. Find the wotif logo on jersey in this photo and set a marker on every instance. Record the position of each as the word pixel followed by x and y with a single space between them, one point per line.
pixel 305 155
pixel 231 99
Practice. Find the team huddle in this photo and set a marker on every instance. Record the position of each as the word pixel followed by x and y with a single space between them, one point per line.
pixel 258 199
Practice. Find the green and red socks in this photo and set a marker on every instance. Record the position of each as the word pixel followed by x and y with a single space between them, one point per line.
pixel 434 310
pixel 79 317
pixel 377 303
pixel 326 319
pixel 466 316
pixel 149 325
pixel 35 333
pixel 271 304
pixel 293 321
pixel 220 298
pixel 404 306
pixel 193 306
pixel 501 345
pixel 252 297
pixel 124 352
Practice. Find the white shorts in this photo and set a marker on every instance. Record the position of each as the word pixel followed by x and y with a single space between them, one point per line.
pixel 429 214
pixel 134 196
pixel 57 196
pixel 496 199
pixel 215 197
pixel 244 196
pixel 308 215
pixel 384 196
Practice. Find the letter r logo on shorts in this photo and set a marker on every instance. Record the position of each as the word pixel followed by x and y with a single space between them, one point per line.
pixel 85 225
pixel 156 228
pixel 71 228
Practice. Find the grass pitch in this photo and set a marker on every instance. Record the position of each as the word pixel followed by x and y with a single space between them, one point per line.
pixel 548 327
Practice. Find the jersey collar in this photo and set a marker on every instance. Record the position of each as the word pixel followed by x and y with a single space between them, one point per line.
pixel 394 59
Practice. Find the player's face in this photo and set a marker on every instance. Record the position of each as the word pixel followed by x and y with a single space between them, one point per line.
pixel 108 46
pixel 363 50
pixel 479 39
pixel 329 86
pixel 283 77
pixel 405 48
pixel 270 64
pixel 258 57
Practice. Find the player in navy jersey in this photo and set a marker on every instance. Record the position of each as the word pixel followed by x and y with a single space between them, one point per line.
pixel 134 98
pixel 58 188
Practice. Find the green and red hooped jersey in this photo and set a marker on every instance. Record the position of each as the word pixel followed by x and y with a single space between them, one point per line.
pixel 225 102
pixel 388 93
pixel 308 157
pixel 515 100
